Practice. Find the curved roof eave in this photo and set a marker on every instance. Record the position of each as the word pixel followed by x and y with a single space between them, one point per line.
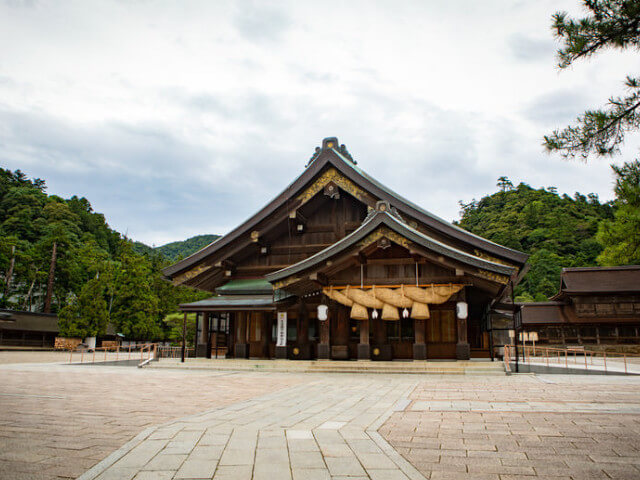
pixel 347 167
pixel 407 206
pixel 384 218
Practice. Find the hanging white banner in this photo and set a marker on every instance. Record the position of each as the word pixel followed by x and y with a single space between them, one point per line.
pixel 281 340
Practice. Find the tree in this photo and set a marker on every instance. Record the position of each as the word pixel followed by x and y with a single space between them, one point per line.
pixel 87 316
pixel 611 24
pixel 173 323
pixel 558 231
pixel 621 236
pixel 135 307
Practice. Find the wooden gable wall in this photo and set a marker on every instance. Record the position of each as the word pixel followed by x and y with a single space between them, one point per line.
pixel 326 220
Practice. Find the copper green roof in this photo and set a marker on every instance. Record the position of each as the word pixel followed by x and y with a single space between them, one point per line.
pixel 231 302
pixel 245 286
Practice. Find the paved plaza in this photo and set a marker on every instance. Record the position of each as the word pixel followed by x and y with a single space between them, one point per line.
pixel 98 422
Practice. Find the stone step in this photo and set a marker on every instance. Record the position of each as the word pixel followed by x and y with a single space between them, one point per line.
pixel 417 367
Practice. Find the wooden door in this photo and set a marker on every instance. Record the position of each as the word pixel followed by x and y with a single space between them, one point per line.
pixel 441 334
pixel 255 325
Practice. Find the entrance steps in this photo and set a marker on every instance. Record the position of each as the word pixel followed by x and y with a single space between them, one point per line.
pixel 448 367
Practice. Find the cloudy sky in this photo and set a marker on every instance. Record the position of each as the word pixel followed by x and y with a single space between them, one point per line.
pixel 176 118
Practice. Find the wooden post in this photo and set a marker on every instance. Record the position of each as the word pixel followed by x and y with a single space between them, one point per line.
pixel 324 346
pixel 196 339
pixel 419 345
pixel 209 319
pixel 364 349
pixel 184 336
pixel 216 330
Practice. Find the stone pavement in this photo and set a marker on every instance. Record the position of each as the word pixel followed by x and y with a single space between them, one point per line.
pixel 326 429
pixel 57 421
pixel 556 427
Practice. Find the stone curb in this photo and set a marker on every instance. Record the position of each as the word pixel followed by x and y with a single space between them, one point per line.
pixel 372 431
pixel 102 465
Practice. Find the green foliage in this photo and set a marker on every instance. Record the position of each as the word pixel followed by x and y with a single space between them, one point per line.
pixel 621 236
pixel 88 315
pixel 174 322
pixel 610 24
pixel 130 284
pixel 177 250
pixel 557 231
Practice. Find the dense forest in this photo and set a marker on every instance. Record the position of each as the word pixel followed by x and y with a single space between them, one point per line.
pixel 58 255
pixel 175 251
pixel 559 230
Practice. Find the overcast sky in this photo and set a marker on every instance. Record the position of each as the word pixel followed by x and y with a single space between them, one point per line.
pixel 176 118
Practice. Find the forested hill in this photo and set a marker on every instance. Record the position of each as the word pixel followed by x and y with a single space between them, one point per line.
pixel 556 230
pixel 176 250
pixel 59 255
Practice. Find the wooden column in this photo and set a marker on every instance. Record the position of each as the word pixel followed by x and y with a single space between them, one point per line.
pixel 419 345
pixel 463 350
pixel 264 334
pixel 208 321
pixel 364 351
pixel 184 336
pixel 304 349
pixel 340 344
pixel 195 337
pixel 324 346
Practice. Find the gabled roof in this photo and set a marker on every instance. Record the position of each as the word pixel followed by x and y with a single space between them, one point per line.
pixel 385 217
pixel 593 280
pixel 331 155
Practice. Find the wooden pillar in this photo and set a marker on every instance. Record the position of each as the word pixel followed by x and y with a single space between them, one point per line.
pixel 324 346
pixel 241 349
pixel 463 350
pixel 195 338
pixel 340 327
pixel 304 349
pixel 364 351
pixel 184 336
pixel 208 317
pixel 419 345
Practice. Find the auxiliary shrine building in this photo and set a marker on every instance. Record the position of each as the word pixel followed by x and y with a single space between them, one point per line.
pixel 340 267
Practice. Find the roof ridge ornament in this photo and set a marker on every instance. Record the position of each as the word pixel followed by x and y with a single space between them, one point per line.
pixel 331 143
pixel 385 207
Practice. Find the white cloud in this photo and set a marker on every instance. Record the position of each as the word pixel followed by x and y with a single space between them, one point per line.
pixel 178 118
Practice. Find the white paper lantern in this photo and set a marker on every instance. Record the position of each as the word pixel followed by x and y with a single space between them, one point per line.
pixel 323 312
pixel 462 310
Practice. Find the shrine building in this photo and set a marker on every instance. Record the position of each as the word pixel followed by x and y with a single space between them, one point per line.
pixel 340 267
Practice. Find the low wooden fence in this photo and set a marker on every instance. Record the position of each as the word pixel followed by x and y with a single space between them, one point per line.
pixel 141 352
pixel 572 357
pixel 174 352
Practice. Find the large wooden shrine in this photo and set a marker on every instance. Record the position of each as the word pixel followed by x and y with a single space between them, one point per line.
pixel 340 267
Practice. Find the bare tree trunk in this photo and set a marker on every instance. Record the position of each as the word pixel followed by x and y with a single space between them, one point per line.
pixel 12 263
pixel 27 300
pixel 52 273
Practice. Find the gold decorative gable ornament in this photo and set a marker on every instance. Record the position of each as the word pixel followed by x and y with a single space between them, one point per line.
pixel 332 175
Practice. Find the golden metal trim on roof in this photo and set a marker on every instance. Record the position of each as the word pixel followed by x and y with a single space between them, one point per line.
pixel 194 272
pixel 332 175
